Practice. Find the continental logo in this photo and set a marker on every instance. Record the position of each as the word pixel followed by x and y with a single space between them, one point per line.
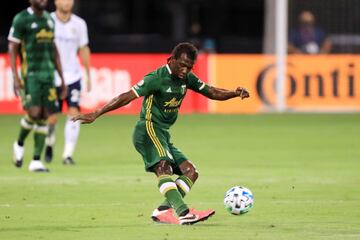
pixel 336 84
pixel 173 103
pixel 44 35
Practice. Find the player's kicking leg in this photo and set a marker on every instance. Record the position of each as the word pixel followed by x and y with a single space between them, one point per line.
pixel 169 189
pixel 188 176
pixel 152 143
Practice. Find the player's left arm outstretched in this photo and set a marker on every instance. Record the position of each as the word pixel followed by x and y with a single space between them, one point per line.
pixel 215 93
pixel 220 94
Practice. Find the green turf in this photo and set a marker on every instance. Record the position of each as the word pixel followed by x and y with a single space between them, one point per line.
pixel 304 171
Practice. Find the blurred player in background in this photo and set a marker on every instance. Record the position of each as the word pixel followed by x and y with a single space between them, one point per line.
pixel 32 32
pixel 164 90
pixel 71 38
pixel 308 38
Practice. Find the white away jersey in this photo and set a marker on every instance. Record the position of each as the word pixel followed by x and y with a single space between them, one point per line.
pixel 69 37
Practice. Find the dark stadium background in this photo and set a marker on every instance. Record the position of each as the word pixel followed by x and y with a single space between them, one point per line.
pixel 156 25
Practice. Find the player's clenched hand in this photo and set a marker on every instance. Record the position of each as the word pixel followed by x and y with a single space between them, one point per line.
pixel 85 118
pixel 63 93
pixel 243 93
pixel 18 85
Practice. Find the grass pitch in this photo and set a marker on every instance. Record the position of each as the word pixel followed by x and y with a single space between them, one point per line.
pixel 304 171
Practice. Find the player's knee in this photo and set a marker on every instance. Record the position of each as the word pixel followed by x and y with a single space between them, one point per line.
pixel 163 168
pixel 52 119
pixel 35 115
pixel 191 172
pixel 73 111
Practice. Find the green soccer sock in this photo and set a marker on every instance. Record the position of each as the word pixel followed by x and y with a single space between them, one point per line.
pixel 184 185
pixel 27 125
pixel 41 131
pixel 169 189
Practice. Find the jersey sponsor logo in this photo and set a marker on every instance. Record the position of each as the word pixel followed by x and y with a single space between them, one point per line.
pixel 173 103
pixel 169 90
pixel 34 25
pixel 44 35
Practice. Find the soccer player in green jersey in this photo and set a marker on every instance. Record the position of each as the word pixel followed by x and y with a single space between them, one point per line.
pixel 164 90
pixel 32 37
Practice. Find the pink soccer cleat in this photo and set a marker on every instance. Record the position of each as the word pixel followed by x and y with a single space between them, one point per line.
pixel 164 216
pixel 195 216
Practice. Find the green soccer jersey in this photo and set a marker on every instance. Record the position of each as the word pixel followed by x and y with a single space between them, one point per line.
pixel 36 36
pixel 164 94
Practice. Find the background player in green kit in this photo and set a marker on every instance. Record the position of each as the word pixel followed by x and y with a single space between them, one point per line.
pixel 164 90
pixel 32 36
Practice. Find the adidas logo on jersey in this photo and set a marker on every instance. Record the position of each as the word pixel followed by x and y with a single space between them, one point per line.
pixel 169 90
pixel 34 25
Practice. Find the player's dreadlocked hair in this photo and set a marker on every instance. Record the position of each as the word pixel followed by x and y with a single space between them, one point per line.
pixel 185 47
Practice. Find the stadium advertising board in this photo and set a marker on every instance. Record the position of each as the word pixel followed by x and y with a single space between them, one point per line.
pixel 322 83
pixel 111 74
pixel 313 83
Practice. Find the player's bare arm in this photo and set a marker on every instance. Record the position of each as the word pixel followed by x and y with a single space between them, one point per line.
pixel 60 72
pixel 84 53
pixel 13 52
pixel 224 94
pixel 117 102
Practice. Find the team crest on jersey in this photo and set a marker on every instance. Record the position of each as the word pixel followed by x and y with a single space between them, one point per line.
pixel 50 24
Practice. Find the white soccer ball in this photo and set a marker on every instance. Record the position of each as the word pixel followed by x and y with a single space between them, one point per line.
pixel 238 200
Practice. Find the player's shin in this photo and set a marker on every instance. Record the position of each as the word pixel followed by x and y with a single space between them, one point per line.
pixel 50 138
pixel 27 125
pixel 41 131
pixel 183 184
pixel 169 189
pixel 72 131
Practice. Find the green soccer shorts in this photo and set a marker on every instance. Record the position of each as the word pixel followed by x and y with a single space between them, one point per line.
pixel 153 143
pixel 38 93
